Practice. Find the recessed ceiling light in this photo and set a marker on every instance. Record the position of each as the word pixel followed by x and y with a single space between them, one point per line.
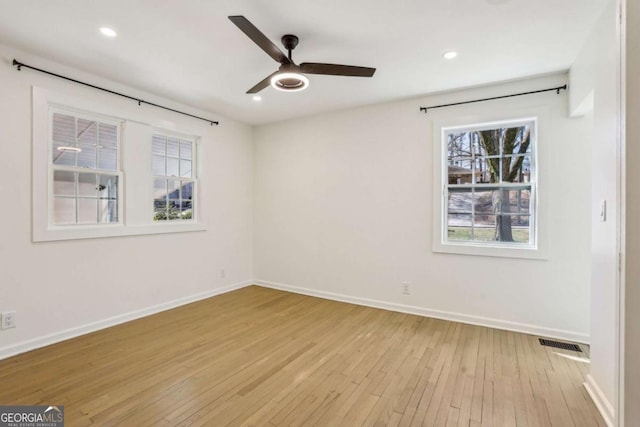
pixel 450 55
pixel 106 31
pixel 257 98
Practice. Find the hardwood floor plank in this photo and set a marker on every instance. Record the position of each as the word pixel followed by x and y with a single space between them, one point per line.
pixel 258 356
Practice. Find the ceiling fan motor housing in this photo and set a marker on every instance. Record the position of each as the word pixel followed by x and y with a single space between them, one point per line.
pixel 289 41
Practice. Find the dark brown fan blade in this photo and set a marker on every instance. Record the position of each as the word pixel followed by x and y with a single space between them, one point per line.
pixel 260 39
pixel 336 70
pixel 263 84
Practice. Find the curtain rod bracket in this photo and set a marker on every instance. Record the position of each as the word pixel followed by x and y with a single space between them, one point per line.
pixel 19 66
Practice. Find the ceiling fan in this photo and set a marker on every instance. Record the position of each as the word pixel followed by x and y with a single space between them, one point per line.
pixel 290 77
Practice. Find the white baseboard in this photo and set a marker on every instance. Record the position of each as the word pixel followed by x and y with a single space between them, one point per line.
pixel 438 314
pixel 603 405
pixel 32 344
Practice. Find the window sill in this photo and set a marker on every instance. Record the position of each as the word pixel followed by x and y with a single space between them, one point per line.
pixel 116 230
pixel 490 250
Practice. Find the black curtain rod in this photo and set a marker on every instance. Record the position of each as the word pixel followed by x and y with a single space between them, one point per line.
pixel 19 65
pixel 557 89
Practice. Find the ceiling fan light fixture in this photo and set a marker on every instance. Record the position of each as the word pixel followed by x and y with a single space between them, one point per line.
pixel 289 82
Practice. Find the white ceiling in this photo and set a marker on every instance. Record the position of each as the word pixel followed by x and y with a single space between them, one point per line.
pixel 190 52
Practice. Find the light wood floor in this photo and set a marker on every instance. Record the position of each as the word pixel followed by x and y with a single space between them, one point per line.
pixel 258 356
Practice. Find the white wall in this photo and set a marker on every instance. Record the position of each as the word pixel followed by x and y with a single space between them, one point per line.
pixel 632 262
pixel 599 78
pixel 343 208
pixel 67 287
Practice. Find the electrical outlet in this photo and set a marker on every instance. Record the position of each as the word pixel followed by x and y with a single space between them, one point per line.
pixel 406 288
pixel 223 273
pixel 9 320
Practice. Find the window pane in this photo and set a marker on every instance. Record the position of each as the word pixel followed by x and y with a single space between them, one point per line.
pixel 187 191
pixel 87 186
pixel 173 210
pixel 159 145
pixel 490 141
pixel 514 201
pixel 173 190
pixel 87 211
pixel 484 227
pixel 520 220
pixel 483 202
pixel 173 147
pixel 159 165
pixel 187 210
pixel 108 187
pixel 87 132
pixel 62 157
pixel 160 199
pixel 87 157
pixel 476 145
pixel 484 169
pixel 185 150
pixel 108 211
pixel 108 136
pixel 516 169
pixel 107 159
pixel 185 168
pixel 460 171
pixel 459 144
pixel 512 228
pixel 160 189
pixel 64 183
pixel 159 210
pixel 517 140
pixel 459 226
pixel 172 167
pixel 64 211
pixel 459 200
pixel 64 129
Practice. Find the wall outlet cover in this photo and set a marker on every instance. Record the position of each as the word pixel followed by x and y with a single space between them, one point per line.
pixel 8 320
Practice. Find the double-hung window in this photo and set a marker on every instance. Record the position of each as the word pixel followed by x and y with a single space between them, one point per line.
pixel 103 169
pixel 489 183
pixel 174 177
pixel 84 167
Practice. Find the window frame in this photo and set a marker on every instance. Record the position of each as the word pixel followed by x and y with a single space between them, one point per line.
pixel 446 186
pixel 194 179
pixel 135 195
pixel 537 248
pixel 52 168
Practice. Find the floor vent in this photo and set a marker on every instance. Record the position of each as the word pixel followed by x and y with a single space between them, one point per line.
pixel 562 345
